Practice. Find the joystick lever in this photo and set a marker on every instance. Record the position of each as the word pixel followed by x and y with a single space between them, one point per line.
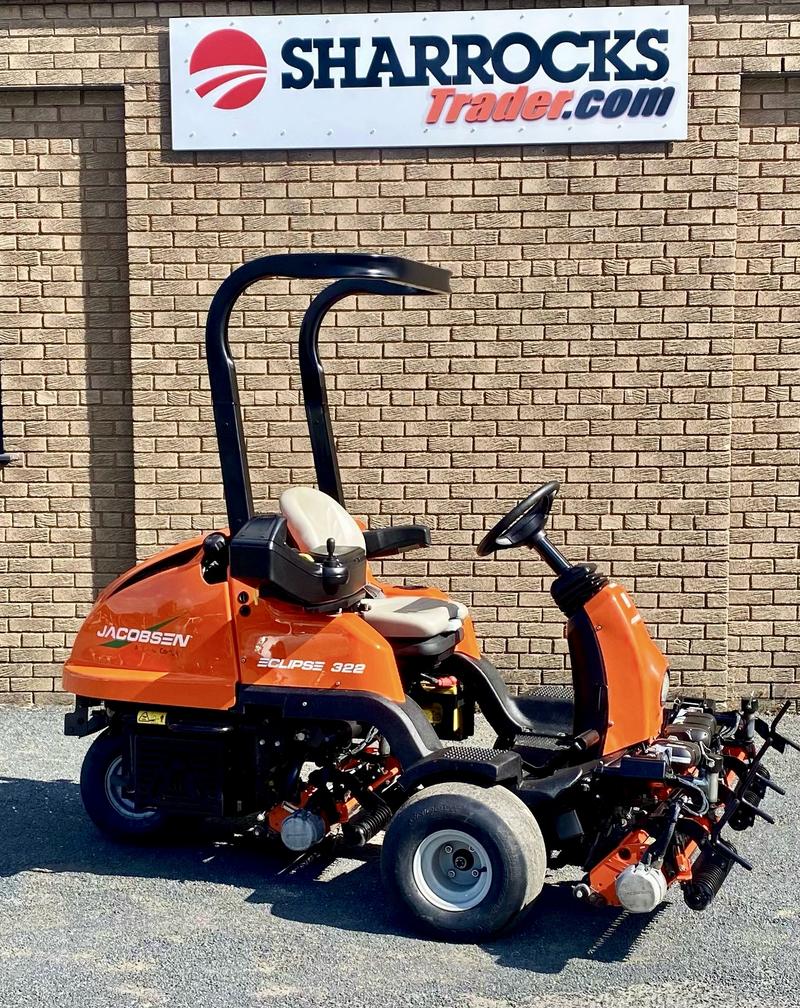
pixel 334 572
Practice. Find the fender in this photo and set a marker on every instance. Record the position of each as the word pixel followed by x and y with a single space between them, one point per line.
pixel 404 726
pixel 471 764
pixel 508 715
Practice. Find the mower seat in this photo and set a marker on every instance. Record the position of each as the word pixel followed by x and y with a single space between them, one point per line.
pixel 412 617
pixel 418 628
pixel 414 624
pixel 313 518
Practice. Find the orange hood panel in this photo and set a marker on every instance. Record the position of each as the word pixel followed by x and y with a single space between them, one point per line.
pixel 158 634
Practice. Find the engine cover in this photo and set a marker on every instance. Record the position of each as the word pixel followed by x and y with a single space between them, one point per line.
pixel 692 724
pixel 680 755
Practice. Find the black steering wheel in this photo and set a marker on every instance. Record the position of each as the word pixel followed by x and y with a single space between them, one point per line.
pixel 523 523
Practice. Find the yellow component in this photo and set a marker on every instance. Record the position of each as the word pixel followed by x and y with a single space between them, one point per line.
pixel 156 717
pixel 435 711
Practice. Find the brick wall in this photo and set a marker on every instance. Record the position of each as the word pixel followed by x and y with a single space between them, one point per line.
pixel 765 519
pixel 592 336
pixel 66 510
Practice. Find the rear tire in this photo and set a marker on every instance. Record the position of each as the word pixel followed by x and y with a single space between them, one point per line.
pixel 103 797
pixel 465 861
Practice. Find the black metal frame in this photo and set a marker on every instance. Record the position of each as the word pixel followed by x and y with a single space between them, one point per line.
pixel 409 733
pixel 752 773
pixel 353 273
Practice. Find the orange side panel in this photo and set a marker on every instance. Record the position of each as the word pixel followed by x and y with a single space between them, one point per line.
pixel 171 639
pixel 283 645
pixel 634 667
pixel 165 639
pixel 603 877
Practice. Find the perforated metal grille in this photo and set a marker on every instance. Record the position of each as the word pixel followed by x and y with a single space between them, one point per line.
pixel 471 753
pixel 552 693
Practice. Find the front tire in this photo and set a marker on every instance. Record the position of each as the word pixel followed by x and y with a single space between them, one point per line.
pixel 103 796
pixel 465 861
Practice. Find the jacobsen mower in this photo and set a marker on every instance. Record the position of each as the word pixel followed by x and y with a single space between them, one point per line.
pixel 263 671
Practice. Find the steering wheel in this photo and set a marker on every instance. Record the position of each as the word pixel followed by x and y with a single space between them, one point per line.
pixel 524 523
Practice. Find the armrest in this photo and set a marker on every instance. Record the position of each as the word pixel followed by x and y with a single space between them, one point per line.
pixel 395 539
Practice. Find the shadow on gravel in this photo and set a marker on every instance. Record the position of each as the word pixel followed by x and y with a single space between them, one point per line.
pixel 46 830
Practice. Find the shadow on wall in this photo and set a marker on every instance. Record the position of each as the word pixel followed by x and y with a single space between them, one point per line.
pixel 83 248
pixel 109 381
pixel 46 829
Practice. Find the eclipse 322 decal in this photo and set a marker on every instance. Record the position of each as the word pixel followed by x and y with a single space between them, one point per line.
pixel 307 665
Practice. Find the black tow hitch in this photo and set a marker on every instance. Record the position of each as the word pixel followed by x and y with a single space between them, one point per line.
pixel 741 808
pixel 83 720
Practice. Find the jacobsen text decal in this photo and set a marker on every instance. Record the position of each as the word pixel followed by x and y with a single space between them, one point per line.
pixel 430 79
pixel 117 637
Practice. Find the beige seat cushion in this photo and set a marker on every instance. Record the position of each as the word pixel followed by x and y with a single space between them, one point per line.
pixel 412 616
pixel 313 518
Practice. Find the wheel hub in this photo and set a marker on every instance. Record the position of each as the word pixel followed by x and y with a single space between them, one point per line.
pixel 115 793
pixel 463 860
pixel 452 870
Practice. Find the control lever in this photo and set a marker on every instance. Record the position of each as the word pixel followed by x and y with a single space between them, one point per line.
pixel 215 560
pixel 334 572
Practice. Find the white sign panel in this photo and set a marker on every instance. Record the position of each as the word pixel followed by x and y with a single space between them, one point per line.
pixel 430 79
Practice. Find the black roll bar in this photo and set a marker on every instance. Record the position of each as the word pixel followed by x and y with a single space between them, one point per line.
pixel 353 273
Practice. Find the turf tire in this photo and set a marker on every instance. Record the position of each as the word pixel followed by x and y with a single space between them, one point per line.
pixel 507 832
pixel 100 805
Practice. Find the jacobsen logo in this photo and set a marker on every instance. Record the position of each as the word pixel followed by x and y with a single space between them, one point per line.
pixel 117 637
pixel 239 68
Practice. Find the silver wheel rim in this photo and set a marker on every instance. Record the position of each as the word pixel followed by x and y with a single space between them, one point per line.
pixel 114 793
pixel 452 870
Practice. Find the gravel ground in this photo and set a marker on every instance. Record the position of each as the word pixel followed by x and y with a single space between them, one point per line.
pixel 216 921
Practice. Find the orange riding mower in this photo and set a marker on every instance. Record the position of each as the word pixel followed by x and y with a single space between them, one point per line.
pixel 263 671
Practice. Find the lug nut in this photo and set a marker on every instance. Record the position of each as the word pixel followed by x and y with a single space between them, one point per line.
pixel 451 873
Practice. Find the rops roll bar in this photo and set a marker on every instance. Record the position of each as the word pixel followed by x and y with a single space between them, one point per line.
pixel 353 273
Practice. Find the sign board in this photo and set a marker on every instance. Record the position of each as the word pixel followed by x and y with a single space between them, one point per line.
pixel 599 74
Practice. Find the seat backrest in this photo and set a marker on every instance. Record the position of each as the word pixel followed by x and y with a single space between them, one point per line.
pixel 313 517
